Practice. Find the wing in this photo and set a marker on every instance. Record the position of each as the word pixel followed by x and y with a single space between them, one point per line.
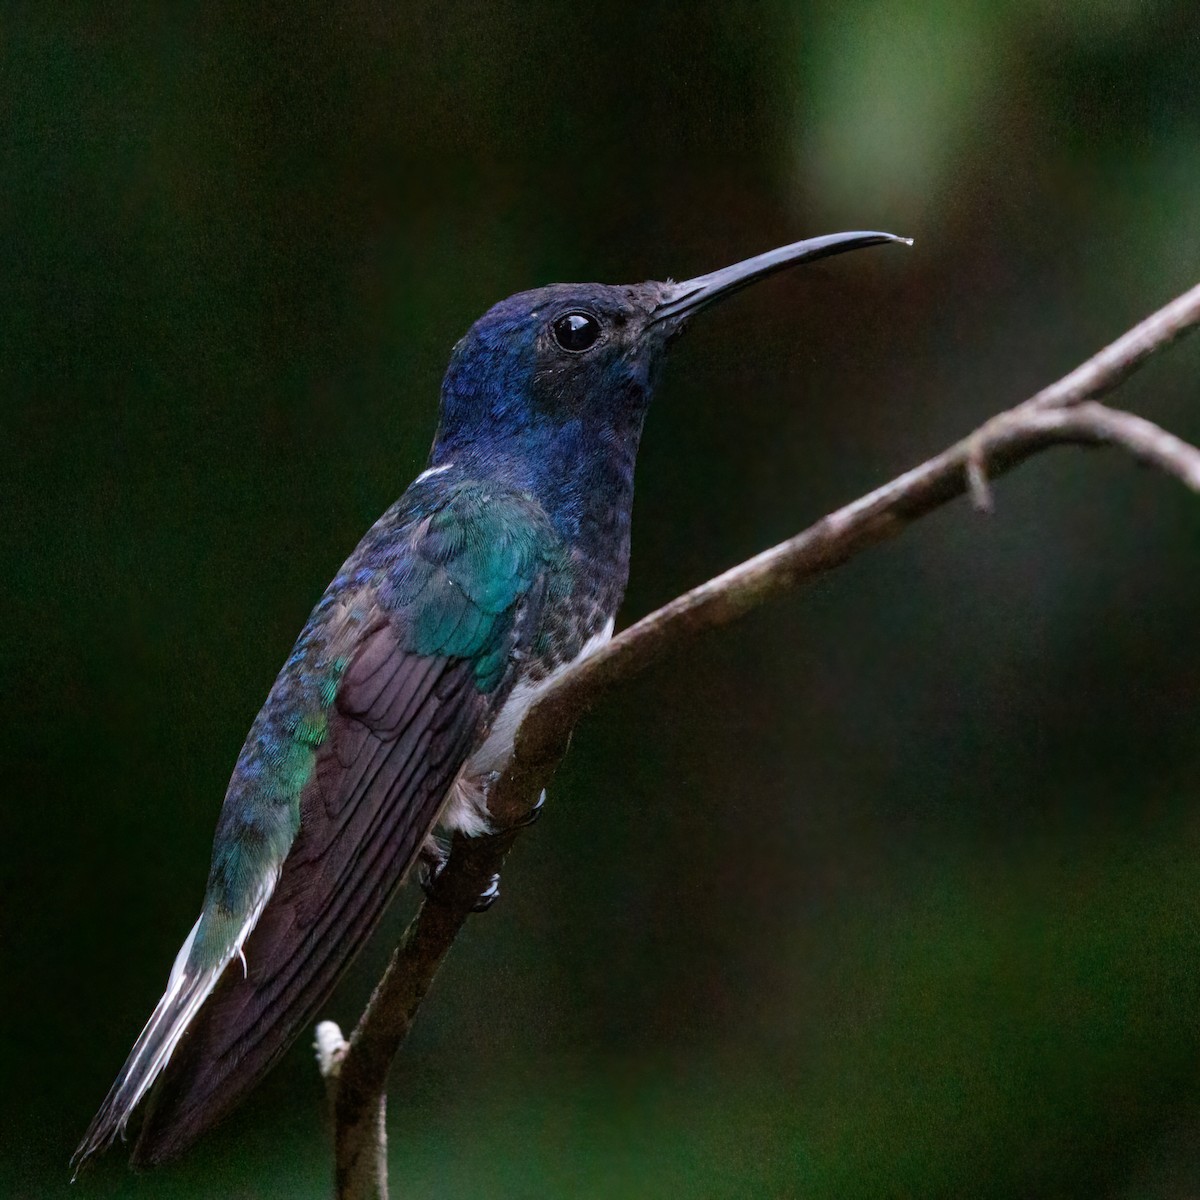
pixel 342 778
pixel 404 727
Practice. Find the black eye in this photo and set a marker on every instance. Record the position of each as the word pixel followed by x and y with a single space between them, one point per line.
pixel 576 331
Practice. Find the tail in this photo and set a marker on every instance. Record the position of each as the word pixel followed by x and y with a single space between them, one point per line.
pixel 187 989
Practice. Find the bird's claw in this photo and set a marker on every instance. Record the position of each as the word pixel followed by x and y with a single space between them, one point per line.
pixel 488 896
pixel 431 862
pixel 534 813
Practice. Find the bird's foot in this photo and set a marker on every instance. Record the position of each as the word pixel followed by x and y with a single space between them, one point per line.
pixel 431 861
pixel 534 813
pixel 488 896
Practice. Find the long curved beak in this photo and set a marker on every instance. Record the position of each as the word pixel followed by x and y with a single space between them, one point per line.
pixel 683 299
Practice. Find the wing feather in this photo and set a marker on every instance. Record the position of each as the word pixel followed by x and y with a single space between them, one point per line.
pixel 411 721
pixel 395 680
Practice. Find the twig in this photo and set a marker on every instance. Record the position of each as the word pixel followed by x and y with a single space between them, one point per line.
pixel 1118 360
pixel 1065 413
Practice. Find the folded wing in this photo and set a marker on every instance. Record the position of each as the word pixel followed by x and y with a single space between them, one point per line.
pixel 391 686
pixel 403 726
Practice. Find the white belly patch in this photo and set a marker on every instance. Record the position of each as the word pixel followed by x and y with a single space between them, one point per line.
pixel 466 805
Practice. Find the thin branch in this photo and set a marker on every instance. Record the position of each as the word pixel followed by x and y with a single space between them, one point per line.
pixel 1065 413
pixel 1118 360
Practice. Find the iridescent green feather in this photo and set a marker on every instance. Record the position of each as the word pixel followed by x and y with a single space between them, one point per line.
pixel 479 555
pixel 456 590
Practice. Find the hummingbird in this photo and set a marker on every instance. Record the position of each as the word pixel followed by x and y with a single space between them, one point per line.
pixel 503 563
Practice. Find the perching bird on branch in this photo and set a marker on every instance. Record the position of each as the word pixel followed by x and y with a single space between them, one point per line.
pixel 503 562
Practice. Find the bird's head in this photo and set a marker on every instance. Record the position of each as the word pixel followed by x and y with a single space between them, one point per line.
pixel 571 366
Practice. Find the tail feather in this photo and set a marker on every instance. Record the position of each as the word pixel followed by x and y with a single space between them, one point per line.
pixel 188 987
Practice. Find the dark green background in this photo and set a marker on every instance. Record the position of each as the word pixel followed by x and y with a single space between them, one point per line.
pixel 891 891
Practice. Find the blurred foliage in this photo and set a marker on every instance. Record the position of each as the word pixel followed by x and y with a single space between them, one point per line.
pixel 891 891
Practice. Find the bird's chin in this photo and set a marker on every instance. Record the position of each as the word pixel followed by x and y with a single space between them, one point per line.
pixel 675 330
